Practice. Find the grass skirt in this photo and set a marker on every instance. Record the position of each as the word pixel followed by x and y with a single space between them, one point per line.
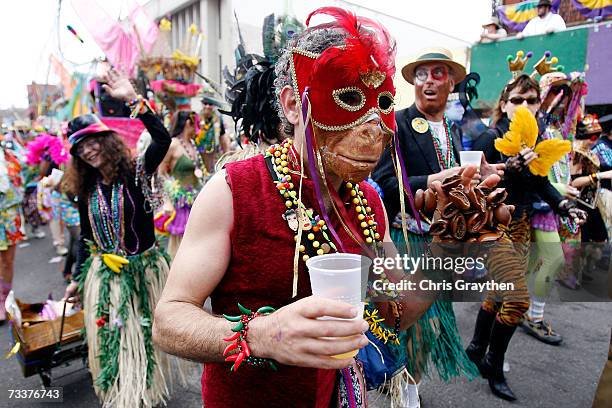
pixel 434 337
pixel 127 369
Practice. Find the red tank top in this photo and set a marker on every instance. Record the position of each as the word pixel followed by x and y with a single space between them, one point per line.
pixel 260 273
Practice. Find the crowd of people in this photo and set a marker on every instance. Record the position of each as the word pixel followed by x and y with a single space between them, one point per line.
pixel 320 163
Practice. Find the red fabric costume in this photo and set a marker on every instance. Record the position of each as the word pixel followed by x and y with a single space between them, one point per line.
pixel 261 273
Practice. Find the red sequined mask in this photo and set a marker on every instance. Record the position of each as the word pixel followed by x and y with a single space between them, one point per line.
pixel 348 84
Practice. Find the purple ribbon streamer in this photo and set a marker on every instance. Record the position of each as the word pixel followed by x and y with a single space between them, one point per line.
pixel 402 166
pixel 588 12
pixel 518 26
pixel 313 169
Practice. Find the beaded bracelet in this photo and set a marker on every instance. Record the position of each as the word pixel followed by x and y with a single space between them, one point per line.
pixel 138 106
pixel 239 339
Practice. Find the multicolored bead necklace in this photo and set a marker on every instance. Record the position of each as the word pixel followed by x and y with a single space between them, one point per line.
pixel 107 221
pixel 448 161
pixel 318 240
pixel 197 159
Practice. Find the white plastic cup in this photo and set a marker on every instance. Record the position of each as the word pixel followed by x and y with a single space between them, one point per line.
pixel 472 157
pixel 339 276
pixel 56 176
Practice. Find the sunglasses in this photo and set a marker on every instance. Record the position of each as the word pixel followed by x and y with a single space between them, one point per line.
pixel 439 74
pixel 518 100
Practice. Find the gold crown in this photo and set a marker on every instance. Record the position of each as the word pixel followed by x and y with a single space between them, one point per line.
pixel 517 64
pixel 545 65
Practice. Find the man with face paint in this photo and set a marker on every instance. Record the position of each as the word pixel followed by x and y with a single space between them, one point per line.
pixel 429 144
pixel 334 94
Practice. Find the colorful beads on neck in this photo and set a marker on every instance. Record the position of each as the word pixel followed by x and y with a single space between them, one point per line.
pixel 448 161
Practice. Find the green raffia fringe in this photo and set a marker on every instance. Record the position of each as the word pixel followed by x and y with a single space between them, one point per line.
pixel 133 288
pixel 434 338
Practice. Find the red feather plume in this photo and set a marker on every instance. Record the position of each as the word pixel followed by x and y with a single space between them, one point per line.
pixel 368 47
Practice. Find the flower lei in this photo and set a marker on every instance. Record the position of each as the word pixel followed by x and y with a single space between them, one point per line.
pixel 206 139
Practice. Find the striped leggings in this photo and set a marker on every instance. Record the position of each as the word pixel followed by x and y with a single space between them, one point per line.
pixel 507 262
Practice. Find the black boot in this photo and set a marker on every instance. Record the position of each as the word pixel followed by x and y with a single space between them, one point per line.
pixel 482 332
pixel 492 366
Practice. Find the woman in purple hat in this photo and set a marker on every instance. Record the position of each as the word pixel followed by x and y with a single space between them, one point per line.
pixel 120 269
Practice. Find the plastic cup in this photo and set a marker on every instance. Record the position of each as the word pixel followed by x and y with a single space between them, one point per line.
pixel 56 176
pixel 473 157
pixel 339 277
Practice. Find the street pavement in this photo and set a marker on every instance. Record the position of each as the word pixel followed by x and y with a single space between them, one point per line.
pixel 542 376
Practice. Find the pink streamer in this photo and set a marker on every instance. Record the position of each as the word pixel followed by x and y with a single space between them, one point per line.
pixel 402 166
pixel 120 45
pixel 128 129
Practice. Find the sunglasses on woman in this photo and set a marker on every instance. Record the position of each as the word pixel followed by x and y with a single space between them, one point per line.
pixel 518 100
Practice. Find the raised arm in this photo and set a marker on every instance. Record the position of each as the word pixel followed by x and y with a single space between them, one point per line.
pixel 291 335
pixel 119 87
pixel 160 141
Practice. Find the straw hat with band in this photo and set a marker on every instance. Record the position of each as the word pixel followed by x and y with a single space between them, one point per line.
pixel 580 147
pixel 434 55
pixel 82 127
pixel 493 21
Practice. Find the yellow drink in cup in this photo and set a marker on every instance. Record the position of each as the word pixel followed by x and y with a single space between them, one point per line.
pixel 340 277
pixel 346 355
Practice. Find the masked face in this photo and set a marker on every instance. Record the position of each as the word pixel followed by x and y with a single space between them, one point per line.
pixel 350 94
pixel 352 154
pixel 339 99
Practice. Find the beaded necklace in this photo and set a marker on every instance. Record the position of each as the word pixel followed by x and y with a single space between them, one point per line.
pixel 208 130
pixel 107 220
pixel 318 241
pixel 448 161
pixel 197 160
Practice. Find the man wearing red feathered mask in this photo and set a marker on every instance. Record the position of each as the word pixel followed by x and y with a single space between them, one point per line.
pixel 259 220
